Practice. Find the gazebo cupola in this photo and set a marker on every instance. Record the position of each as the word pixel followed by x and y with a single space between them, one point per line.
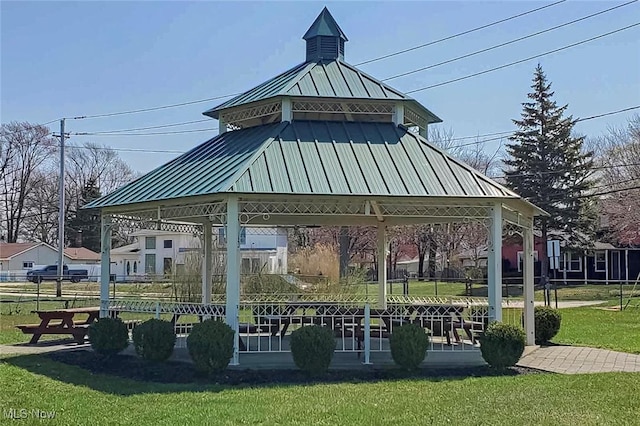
pixel 323 88
pixel 325 40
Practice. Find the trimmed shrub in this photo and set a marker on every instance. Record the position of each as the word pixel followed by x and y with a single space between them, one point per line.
pixel 408 344
pixel 547 322
pixel 210 345
pixel 154 339
pixel 108 336
pixel 502 344
pixel 312 348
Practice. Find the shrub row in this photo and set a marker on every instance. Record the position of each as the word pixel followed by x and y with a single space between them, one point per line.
pixel 210 343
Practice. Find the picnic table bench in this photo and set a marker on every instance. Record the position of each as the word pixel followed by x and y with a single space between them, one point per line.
pixel 62 321
pixel 66 321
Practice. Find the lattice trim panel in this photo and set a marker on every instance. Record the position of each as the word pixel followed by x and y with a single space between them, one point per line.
pixel 343 107
pixel 235 118
pixel 465 213
pixel 413 117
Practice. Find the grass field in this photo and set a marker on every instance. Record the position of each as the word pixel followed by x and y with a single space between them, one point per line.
pixel 76 397
pixel 619 331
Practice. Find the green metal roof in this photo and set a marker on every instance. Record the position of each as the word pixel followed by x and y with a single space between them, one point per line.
pixel 311 157
pixel 326 79
pixel 325 25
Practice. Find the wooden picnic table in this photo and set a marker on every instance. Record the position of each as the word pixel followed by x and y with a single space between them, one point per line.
pixel 62 321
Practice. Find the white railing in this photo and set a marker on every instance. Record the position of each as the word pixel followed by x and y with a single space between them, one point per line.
pixel 265 324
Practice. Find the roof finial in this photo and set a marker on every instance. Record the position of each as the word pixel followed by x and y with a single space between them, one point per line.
pixel 325 39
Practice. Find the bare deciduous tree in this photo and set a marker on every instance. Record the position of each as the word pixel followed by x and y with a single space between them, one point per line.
pixel 617 155
pixel 31 146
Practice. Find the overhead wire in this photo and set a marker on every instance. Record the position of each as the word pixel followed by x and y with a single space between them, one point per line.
pixel 472 30
pixel 180 104
pixel 510 64
pixel 516 40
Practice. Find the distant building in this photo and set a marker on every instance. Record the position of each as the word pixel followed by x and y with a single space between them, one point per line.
pixel 18 258
pixel 163 253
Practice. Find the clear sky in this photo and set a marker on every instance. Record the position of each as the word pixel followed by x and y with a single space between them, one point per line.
pixel 83 58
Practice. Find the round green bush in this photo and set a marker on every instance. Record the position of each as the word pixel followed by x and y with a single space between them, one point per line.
pixel 312 348
pixel 408 344
pixel 547 322
pixel 108 336
pixel 210 345
pixel 502 344
pixel 154 339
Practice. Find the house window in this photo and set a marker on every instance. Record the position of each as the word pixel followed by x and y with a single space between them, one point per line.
pixel 573 262
pixel 150 263
pixel 223 239
pixel 27 265
pixel 150 243
pixel 521 257
pixel 135 267
pixel 600 261
pixel 168 243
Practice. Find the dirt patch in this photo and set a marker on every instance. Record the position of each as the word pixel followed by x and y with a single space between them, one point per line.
pixel 135 368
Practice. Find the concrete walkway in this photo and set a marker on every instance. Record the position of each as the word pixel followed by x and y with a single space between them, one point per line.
pixel 578 359
pixel 556 359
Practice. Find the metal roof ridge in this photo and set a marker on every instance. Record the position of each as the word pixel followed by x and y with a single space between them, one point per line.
pixel 370 77
pixel 295 80
pixel 449 157
pixel 233 179
pixel 294 69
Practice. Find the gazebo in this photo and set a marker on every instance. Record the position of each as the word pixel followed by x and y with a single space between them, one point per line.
pixel 322 144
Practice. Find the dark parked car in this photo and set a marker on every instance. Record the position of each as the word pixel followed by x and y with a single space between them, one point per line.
pixel 50 273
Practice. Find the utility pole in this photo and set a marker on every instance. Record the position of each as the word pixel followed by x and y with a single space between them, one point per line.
pixel 61 216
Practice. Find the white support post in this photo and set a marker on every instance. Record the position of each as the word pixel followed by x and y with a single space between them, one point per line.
pixel 382 266
pixel 233 272
pixel 424 132
pixel 105 265
pixel 222 125
pixel 585 269
pixel 494 272
pixel 528 283
pixel 606 267
pixel 626 266
pixel 206 263
pixel 287 113
pixel 367 334
pixel 398 114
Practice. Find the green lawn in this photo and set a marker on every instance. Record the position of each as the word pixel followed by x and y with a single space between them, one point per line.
pixel 619 331
pixel 81 398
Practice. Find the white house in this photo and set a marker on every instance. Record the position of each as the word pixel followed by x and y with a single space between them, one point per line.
pixel 18 258
pixel 161 253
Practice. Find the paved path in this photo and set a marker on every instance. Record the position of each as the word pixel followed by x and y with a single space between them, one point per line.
pixel 578 359
pixel 561 304
pixel 556 359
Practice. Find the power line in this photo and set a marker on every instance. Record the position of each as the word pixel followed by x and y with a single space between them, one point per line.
pixel 146 151
pixel 176 132
pixel 135 111
pixel 184 123
pixel 477 52
pixel 35 126
pixel 613 191
pixel 569 46
pixel 482 27
pixel 593 117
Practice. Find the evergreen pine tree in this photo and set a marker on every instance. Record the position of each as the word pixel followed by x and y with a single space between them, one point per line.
pixel 548 166
pixel 84 227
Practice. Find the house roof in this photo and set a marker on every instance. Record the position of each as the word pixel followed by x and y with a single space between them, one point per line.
pixel 81 253
pixel 323 79
pixel 311 157
pixel 9 250
pixel 130 248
